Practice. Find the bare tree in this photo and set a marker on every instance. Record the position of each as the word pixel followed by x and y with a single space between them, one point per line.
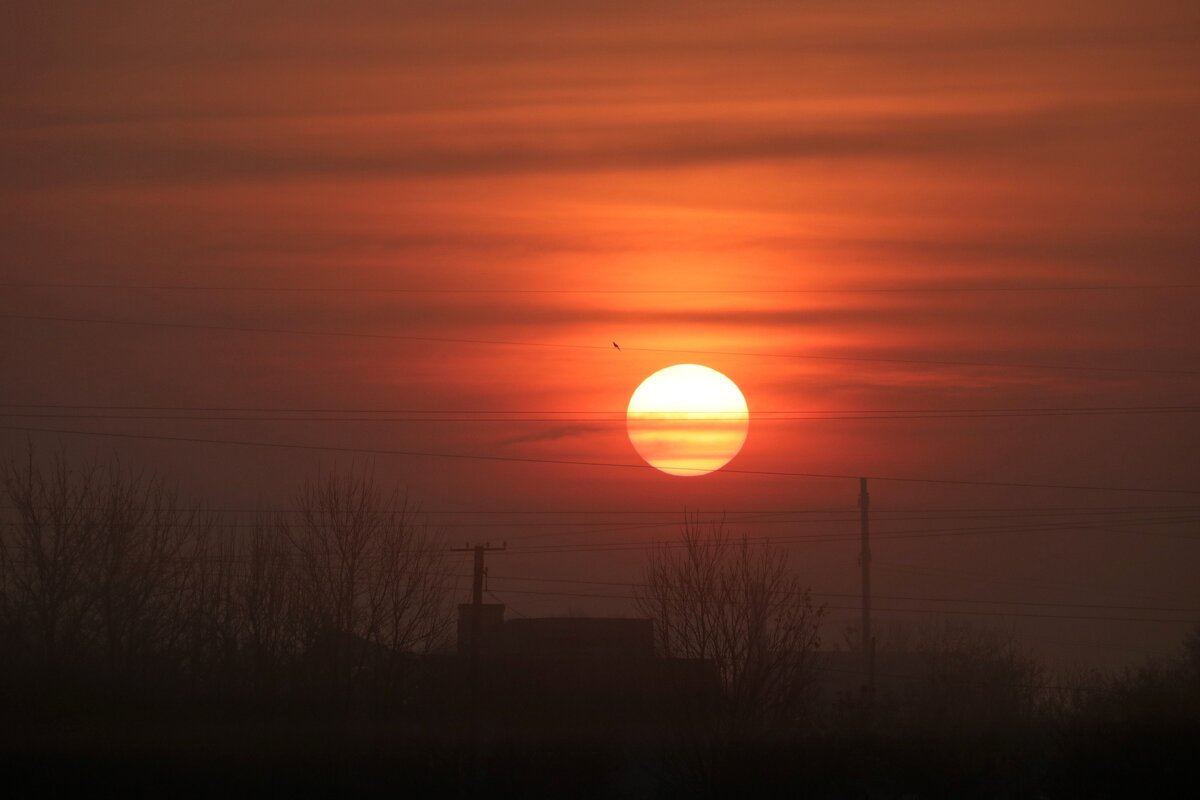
pixel 738 604
pixel 47 552
pixel 267 604
pixel 367 572
pixel 106 576
pixel 210 629
pixel 240 615
pixel 95 568
pixel 954 678
pixel 142 560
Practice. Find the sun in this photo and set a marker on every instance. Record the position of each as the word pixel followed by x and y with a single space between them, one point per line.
pixel 687 420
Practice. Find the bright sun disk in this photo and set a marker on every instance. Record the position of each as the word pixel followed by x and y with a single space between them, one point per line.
pixel 687 420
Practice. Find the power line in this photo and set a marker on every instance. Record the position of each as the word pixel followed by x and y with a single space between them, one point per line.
pixel 626 527
pixel 604 511
pixel 904 534
pixel 1023 582
pixel 507 606
pixel 905 598
pixel 924 533
pixel 967 612
pixel 824 606
pixel 232 560
pixel 754 412
pixel 970 612
pixel 613 465
pixel 227 559
pixel 658 416
pixel 343 289
pixel 558 528
pixel 592 347
pixel 917 533
pixel 1090 645
pixel 733 516
pixel 606 526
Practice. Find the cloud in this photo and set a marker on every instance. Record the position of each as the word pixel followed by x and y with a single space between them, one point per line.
pixel 129 155
pixel 557 433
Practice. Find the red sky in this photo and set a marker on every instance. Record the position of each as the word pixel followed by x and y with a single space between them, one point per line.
pixel 691 181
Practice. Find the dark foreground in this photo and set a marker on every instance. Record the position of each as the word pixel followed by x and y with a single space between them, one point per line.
pixel 211 759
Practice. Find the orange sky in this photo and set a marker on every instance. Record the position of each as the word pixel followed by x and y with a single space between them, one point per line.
pixel 574 155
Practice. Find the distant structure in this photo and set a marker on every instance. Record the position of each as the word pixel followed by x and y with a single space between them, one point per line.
pixel 554 671
pixel 485 618
pixel 553 637
pixel 562 671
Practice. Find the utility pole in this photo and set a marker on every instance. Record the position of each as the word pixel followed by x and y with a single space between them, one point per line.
pixel 476 628
pixel 477 592
pixel 864 558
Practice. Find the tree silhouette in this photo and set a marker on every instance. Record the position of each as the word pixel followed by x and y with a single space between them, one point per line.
pixel 725 599
pixel 46 554
pixel 954 679
pixel 368 576
pixel 97 567
pixel 110 584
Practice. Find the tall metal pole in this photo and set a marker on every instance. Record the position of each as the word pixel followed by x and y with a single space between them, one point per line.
pixel 868 641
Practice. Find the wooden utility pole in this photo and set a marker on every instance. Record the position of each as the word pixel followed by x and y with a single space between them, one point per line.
pixel 477 592
pixel 476 629
pixel 868 641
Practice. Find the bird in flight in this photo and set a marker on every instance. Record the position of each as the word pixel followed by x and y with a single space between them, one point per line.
pixel 616 345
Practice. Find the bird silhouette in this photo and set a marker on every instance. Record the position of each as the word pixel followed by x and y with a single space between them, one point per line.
pixel 616 345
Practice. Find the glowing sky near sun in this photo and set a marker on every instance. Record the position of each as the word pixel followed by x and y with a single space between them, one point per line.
pixel 742 168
